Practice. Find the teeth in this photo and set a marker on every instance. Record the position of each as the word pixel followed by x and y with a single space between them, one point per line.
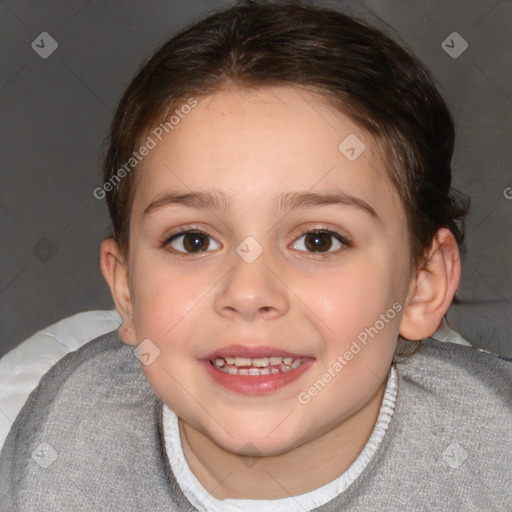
pixel 284 368
pixel 260 361
pixel 257 365
pixel 243 361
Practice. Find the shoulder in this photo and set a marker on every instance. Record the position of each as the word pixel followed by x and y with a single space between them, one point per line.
pixel 457 371
pixel 455 405
pixel 449 438
pixel 459 385
pixel 92 415
pixel 90 372
pixel 75 384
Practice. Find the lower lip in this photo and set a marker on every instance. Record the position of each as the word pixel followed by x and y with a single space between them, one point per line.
pixel 256 384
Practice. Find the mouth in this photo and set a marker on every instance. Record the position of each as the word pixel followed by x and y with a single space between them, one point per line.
pixel 272 365
pixel 255 371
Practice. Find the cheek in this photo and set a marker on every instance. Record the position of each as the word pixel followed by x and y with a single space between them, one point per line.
pixel 163 295
pixel 350 299
pixel 358 323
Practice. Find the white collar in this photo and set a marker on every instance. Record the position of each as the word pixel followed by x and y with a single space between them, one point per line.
pixel 204 502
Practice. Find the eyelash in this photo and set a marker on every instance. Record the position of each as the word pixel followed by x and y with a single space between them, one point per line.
pixel 346 243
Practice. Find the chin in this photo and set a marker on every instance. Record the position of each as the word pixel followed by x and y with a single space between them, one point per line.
pixel 256 445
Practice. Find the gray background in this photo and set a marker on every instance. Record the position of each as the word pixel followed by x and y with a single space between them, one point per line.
pixel 55 114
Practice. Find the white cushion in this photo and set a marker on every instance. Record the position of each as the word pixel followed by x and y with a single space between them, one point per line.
pixel 22 367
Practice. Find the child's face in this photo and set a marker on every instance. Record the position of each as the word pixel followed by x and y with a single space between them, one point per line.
pixel 253 147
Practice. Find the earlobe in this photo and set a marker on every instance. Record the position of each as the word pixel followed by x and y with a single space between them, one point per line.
pixel 115 271
pixel 432 289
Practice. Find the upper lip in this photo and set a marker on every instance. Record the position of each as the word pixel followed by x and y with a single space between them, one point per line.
pixel 252 352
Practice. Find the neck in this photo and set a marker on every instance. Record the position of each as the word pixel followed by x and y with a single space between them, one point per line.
pixel 274 477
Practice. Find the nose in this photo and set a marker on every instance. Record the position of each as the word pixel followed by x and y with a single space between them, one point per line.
pixel 252 291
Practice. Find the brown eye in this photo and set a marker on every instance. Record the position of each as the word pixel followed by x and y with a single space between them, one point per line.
pixel 318 242
pixel 321 241
pixel 189 242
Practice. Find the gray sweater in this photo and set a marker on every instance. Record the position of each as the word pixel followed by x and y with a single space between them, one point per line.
pixel 90 438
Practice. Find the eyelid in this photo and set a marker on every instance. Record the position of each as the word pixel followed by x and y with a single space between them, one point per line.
pixel 183 229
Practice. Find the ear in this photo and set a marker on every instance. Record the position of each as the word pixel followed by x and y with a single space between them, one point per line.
pixel 115 271
pixel 432 289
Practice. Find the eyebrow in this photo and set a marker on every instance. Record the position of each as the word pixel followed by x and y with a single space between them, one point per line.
pixel 217 200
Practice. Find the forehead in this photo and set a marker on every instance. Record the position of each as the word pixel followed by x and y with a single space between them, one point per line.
pixel 255 145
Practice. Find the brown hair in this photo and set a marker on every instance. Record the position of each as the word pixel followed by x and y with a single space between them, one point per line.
pixel 361 71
